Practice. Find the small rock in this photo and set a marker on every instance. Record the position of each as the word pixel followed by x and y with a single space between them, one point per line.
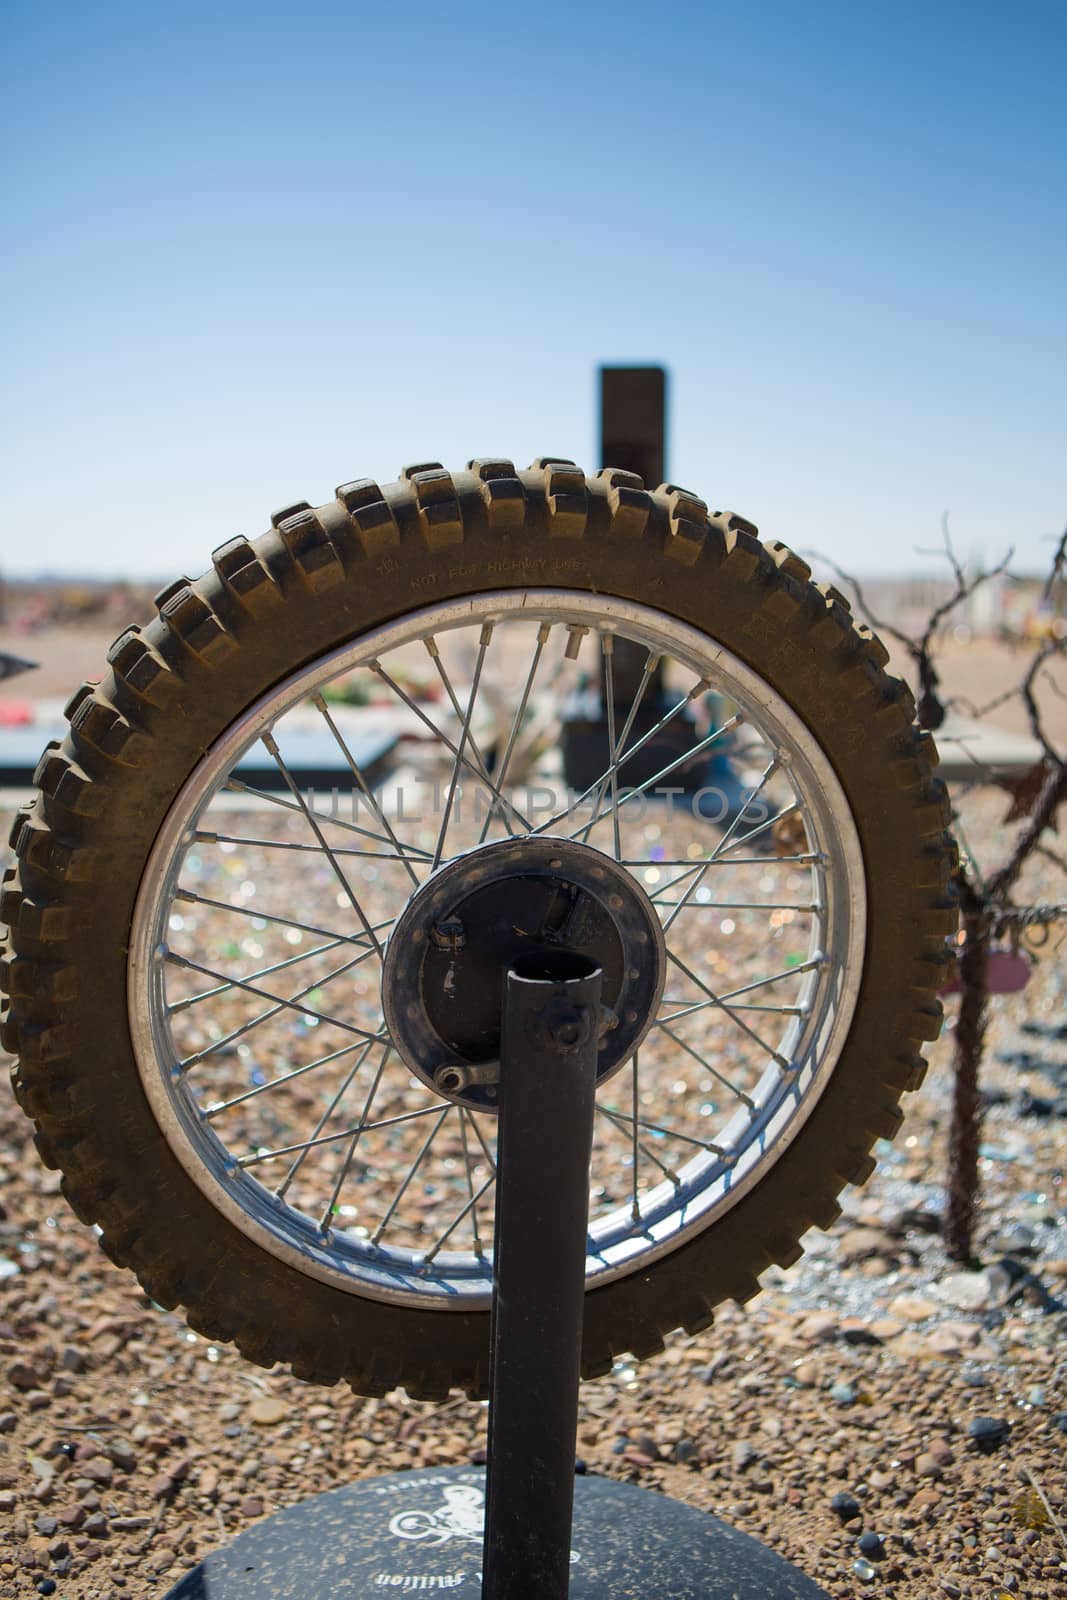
pixel 860 1243
pixel 871 1545
pixel 941 1451
pixel 99 1469
pixel 843 1394
pixel 72 1359
pixel 974 1291
pixel 863 1570
pixel 45 1524
pixel 46 1586
pixel 1015 1240
pixel 268 1411
pixel 806 1374
pixel 1060 1421
pixel 855 1330
pixel 846 1506
pixel 686 1451
pixel 252 1507
pixel 951 1338
pixel 914 1219
pixel 162 1486
pixel 927 1465
pixel 988 1432
pixel 974 1377
pixel 8 1421
pixel 743 1454
pixel 96 1526
pixel 23 1375
pixel 819 1326
pixel 912 1308
pixel 122 1454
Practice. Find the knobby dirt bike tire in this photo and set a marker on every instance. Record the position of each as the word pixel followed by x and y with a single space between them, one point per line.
pixel 320 577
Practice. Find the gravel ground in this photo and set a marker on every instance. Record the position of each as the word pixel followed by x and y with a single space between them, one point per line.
pixel 129 1446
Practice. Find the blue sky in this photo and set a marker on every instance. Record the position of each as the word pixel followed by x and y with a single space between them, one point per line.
pixel 254 251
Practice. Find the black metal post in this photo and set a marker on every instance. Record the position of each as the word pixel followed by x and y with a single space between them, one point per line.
pixel 549 1038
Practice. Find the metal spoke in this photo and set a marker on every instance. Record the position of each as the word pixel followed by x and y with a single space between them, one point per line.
pixel 651 663
pixel 287 1077
pixel 237 786
pixel 402 1191
pixel 620 755
pixel 478 1251
pixel 272 916
pixel 734 905
pixel 464 740
pixel 480 1136
pixel 382 856
pixel 364 1052
pixel 810 965
pixel 737 1021
pixel 438 733
pixel 319 702
pixel 786 811
pixel 770 768
pixel 271 745
pixel 262 972
pixel 277 999
pixel 332 1138
pixel 809 859
pixel 264 1016
pixel 704 1005
pixel 505 761
pixel 465 717
pixel 620 1123
pixel 471 1206
pixel 607 646
pixel 669 1133
pixel 324 1220
pixel 664 772
pixel 715 1073
pixel 635 1101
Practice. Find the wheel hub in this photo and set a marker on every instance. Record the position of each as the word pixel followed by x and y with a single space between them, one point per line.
pixel 478 914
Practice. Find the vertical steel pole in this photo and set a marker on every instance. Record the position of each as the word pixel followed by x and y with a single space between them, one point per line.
pixel 549 1040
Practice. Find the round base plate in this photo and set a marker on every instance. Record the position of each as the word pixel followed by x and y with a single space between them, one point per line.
pixel 421 1533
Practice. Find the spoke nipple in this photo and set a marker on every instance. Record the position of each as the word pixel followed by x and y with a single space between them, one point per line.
pixel 161 952
pixel 575 635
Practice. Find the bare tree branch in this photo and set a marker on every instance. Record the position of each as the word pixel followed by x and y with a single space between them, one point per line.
pixel 1058 561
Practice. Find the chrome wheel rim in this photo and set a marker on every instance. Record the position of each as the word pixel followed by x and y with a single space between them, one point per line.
pixel 324 1157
